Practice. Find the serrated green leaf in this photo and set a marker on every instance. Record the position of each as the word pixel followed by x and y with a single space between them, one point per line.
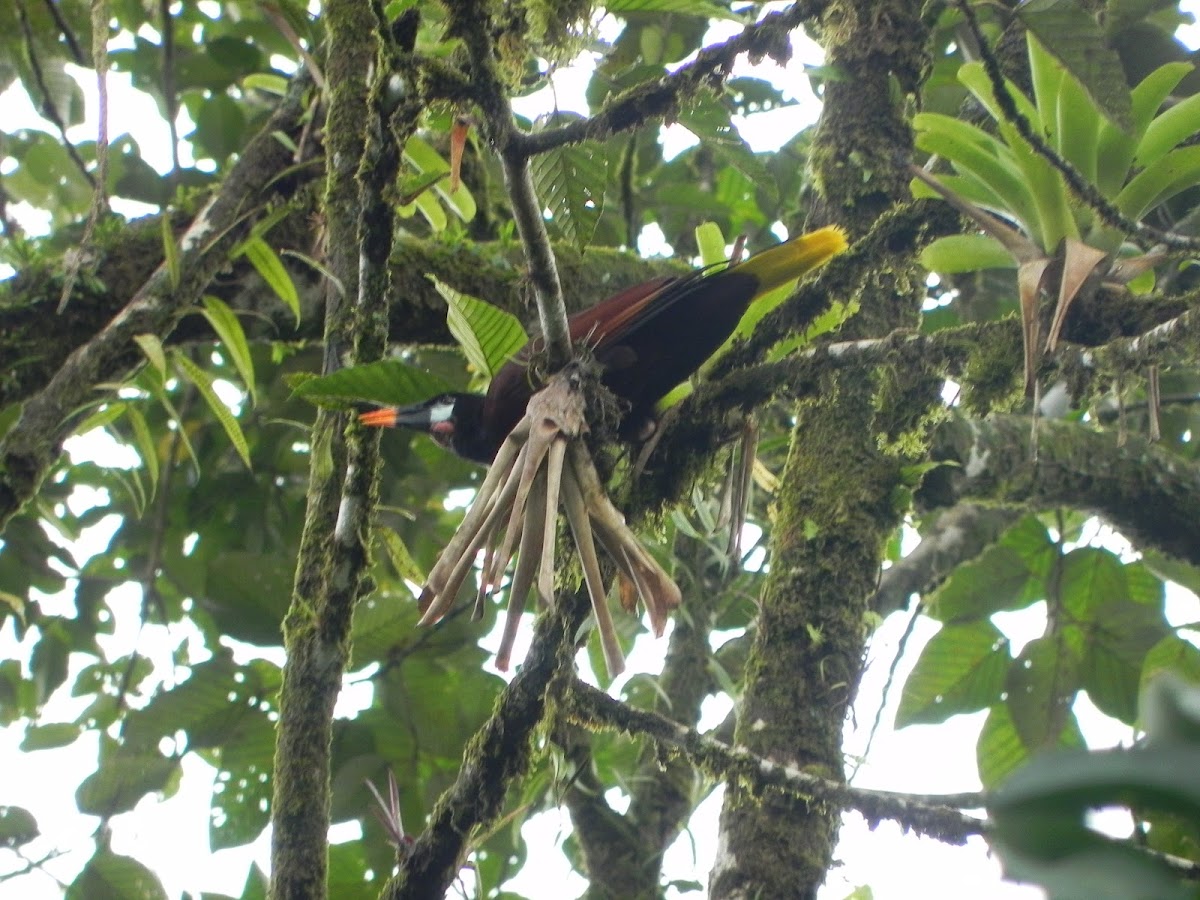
pixel 225 416
pixel 388 382
pixel 268 264
pixel 488 335
pixel 233 339
pixel 570 181
pixel 960 670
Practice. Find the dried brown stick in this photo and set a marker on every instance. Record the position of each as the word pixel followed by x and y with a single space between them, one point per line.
pixel 578 518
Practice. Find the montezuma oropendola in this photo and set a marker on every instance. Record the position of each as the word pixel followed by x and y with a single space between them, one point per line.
pixel 647 338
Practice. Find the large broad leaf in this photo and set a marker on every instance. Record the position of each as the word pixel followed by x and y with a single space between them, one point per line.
pixel 960 670
pixel 571 180
pixel 388 381
pixel 1073 36
pixel 1009 575
pixel 1041 684
pixel 1000 750
pixel 488 335
pixel 108 876
pixel 123 778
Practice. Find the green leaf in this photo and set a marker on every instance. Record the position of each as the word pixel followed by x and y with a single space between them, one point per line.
pixel 1160 181
pixel 108 876
pixel 225 416
pixel 50 736
pixel 1009 575
pixel 152 348
pixel 1041 685
pixel 1054 220
pixel 233 339
pixel 122 780
pixel 147 448
pixel 1117 148
pixel 17 827
pixel 170 251
pixel 960 670
pixel 220 126
pixel 702 8
pixel 570 180
pixel 402 561
pixel 105 415
pixel 1072 35
pixel 267 263
pixel 264 81
pixel 488 335
pixel 388 382
pixel 1001 751
pixel 957 253
pixel 1168 129
pixel 711 243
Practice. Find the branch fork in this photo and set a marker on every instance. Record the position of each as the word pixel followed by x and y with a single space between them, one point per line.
pixel 544 463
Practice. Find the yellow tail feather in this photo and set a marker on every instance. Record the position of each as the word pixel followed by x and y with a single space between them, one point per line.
pixel 793 258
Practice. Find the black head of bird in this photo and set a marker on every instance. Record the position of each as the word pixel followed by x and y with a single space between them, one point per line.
pixel 647 339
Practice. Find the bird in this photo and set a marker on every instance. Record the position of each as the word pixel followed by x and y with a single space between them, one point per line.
pixel 647 339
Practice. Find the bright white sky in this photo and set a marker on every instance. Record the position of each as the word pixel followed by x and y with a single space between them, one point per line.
pixel 171 836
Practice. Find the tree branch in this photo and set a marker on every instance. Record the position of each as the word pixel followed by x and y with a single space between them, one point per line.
pixel 1147 493
pixel 33 443
pixel 936 816
pixel 660 99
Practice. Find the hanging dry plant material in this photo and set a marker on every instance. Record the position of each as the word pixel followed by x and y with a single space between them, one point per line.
pixel 543 462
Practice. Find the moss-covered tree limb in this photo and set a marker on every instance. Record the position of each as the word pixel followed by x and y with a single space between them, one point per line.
pixel 1147 493
pixel 31 353
pixel 936 816
pixel 498 754
pixel 623 853
pixel 343 470
pixel 30 447
pixel 836 505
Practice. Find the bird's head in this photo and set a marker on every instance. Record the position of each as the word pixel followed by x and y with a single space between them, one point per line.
pixel 455 421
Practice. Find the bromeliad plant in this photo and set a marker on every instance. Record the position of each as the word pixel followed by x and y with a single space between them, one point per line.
pixel 1021 202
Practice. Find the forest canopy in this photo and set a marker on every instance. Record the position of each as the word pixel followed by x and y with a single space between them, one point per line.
pixel 945 483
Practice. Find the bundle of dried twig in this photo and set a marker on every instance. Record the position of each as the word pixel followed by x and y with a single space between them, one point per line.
pixel 543 462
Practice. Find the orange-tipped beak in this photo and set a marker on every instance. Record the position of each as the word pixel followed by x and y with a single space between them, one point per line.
pixel 380 418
